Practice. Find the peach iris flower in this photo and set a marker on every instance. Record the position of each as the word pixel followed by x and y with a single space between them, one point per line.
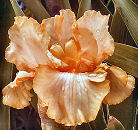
pixel 61 59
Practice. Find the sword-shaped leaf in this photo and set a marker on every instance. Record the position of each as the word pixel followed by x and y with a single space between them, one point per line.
pixel 37 9
pixel 65 4
pixel 125 57
pixel 17 10
pixel 129 13
pixel 6 20
pixel 83 6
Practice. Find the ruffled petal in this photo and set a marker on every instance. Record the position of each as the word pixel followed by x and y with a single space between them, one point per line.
pixel 121 85
pixel 71 49
pixel 57 51
pixel 48 25
pixel 57 63
pixel 63 26
pixel 17 93
pixel 72 56
pixel 71 98
pixel 22 76
pixel 88 45
pixel 91 30
pixel 45 120
pixel 28 44
pixel 63 58
pixel 98 75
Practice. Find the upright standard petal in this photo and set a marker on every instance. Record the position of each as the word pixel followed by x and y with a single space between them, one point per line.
pixel 91 31
pixel 63 26
pixel 72 98
pixel 29 42
pixel 17 93
pixel 48 25
pixel 121 85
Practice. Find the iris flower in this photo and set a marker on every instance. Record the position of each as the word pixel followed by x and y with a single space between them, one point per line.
pixel 61 60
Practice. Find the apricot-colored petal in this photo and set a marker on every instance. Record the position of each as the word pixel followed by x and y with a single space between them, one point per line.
pixel 17 93
pixel 44 118
pixel 63 26
pixel 28 44
pixel 57 63
pixel 71 54
pixel 57 51
pixel 57 56
pixel 71 98
pixel 99 75
pixel 88 45
pixel 48 25
pixel 103 66
pixel 91 30
pixel 22 76
pixel 121 85
pixel 71 49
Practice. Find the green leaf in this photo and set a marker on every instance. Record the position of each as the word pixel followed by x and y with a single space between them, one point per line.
pixel 129 13
pixel 6 20
pixel 65 4
pixel 119 30
pixel 34 100
pixel 114 124
pixel 98 124
pixel 135 1
pixel 108 3
pixel 125 57
pixel 125 112
pixel 98 5
pixel 83 6
pixel 120 34
pixel 37 9
pixel 16 8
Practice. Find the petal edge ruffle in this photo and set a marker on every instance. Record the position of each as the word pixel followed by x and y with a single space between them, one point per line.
pixel 121 85
pixel 93 28
pixel 17 93
pixel 28 44
pixel 71 98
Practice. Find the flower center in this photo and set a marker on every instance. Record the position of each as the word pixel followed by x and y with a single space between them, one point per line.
pixel 69 59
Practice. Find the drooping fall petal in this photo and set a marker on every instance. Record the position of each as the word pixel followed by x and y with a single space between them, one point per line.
pixel 17 93
pixel 91 30
pixel 71 98
pixel 121 85
pixel 28 44
pixel 63 26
